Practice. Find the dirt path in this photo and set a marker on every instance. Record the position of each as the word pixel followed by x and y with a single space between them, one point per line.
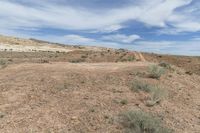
pixel 139 56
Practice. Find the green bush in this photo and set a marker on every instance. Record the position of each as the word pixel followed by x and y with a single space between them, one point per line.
pixel 156 71
pixel 141 122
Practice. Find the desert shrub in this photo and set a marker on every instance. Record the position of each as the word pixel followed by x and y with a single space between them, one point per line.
pixel 140 86
pixel 3 63
pixel 92 110
pixel 165 65
pixel 123 60
pixel 156 71
pixel 44 61
pixel 124 102
pixel 84 56
pixel 102 54
pixel 77 60
pixel 141 122
pixel 122 50
pixel 10 60
pixel 131 58
pixel 157 94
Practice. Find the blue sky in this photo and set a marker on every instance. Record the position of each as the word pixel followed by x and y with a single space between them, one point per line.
pixel 161 26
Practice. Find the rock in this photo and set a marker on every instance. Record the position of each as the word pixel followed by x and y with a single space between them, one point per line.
pixel 189 72
pixel 74 118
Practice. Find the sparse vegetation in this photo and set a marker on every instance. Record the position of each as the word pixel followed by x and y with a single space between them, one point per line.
pixel 3 63
pixel 124 102
pixel 44 61
pixel 123 60
pixel 165 65
pixel 156 71
pixel 157 94
pixel 140 86
pixel 141 122
pixel 131 58
pixel 90 94
pixel 10 60
pixel 77 60
pixel 84 56
pixel 92 110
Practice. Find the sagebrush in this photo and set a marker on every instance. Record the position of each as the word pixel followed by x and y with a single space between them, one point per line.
pixel 3 63
pixel 156 92
pixel 140 86
pixel 141 122
pixel 156 71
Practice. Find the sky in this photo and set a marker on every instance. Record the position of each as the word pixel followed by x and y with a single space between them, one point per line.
pixel 159 26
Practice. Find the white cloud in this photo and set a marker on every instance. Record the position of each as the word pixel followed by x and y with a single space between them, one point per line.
pixel 184 20
pixel 47 14
pixel 159 11
pixel 109 29
pixel 196 39
pixel 76 39
pixel 188 26
pixel 121 38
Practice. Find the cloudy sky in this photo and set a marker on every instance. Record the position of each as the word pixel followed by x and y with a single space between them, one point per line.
pixel 161 26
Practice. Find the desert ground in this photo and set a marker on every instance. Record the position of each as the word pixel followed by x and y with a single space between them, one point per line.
pixel 79 89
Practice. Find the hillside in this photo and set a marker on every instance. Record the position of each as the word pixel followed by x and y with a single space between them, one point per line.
pixel 79 89
pixel 190 63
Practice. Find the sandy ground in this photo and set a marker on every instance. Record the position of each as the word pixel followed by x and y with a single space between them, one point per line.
pixel 85 97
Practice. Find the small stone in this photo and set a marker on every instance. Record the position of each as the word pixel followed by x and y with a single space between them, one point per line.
pixel 188 72
pixel 137 104
pixel 74 118
pixel 150 103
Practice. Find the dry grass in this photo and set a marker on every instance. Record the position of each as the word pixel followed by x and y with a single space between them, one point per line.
pixel 124 102
pixel 165 65
pixel 140 86
pixel 141 122
pixel 157 93
pixel 3 63
pixel 156 71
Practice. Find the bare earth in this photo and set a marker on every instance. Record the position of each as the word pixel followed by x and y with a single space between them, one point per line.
pixel 52 88
pixel 84 97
